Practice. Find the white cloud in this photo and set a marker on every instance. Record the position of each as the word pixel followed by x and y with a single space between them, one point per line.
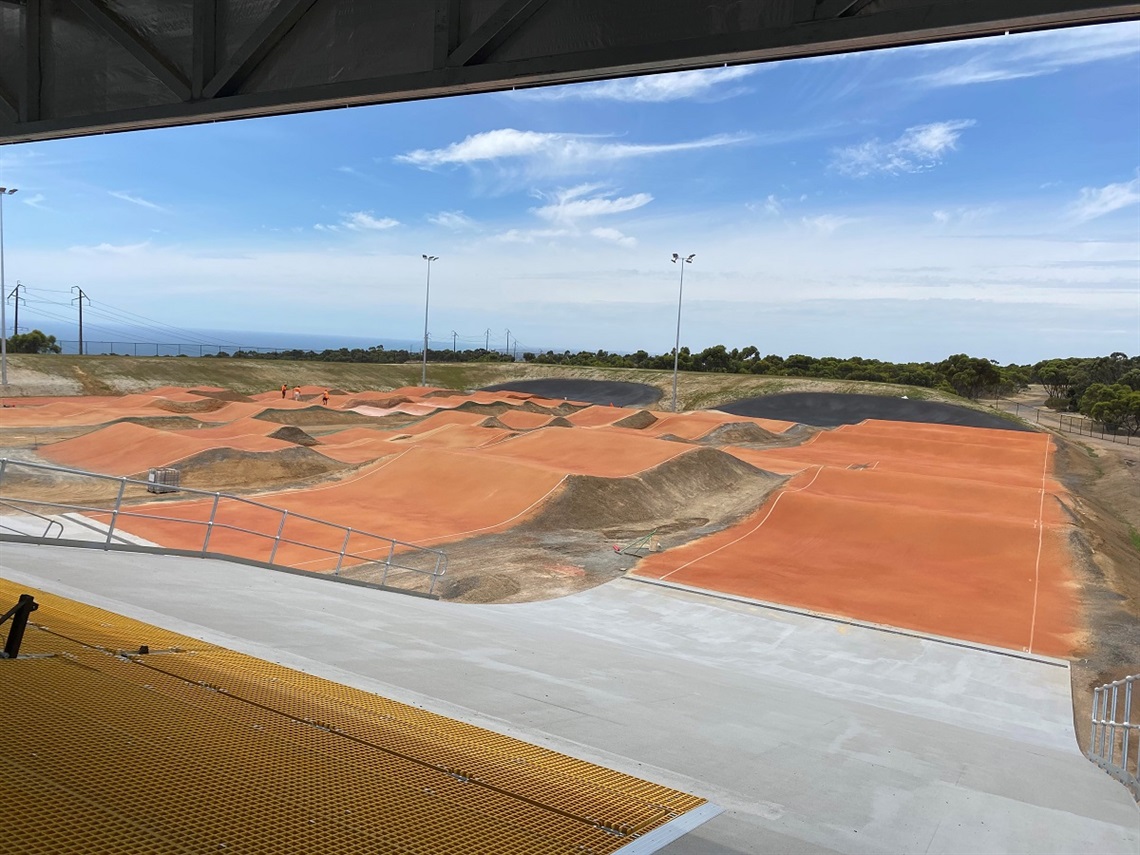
pixel 656 88
pixel 772 205
pixel 556 150
pixel 1031 54
pixel 531 235
pixel 827 224
pixel 110 249
pixel 576 203
pixel 324 227
pixel 614 236
pixel 136 200
pixel 452 220
pixel 1097 201
pixel 364 221
pixel 918 148
pixel 36 200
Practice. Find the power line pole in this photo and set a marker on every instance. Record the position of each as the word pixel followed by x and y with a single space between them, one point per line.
pixel 79 300
pixel 487 346
pixel 507 349
pixel 454 335
pixel 16 300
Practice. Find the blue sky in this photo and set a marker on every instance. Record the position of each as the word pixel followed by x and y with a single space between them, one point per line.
pixel 979 197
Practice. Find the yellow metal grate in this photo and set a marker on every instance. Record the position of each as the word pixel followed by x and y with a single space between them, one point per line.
pixel 194 748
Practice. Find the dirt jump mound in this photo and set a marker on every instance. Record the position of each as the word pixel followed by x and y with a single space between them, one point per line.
pixel 739 433
pixel 290 433
pixel 638 421
pixel 587 391
pixel 231 469
pixel 834 409
pixel 314 416
pixel 705 484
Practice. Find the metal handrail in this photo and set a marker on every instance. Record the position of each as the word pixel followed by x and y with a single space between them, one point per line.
pixel 397 551
pixel 1114 743
pixel 50 522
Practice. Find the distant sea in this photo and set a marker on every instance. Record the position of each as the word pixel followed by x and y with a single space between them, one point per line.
pixel 107 340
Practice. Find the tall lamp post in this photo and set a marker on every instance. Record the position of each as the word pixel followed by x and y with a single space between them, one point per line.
pixel 682 260
pixel 427 299
pixel 4 191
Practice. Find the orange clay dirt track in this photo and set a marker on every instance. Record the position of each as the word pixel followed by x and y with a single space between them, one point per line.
pixel 954 531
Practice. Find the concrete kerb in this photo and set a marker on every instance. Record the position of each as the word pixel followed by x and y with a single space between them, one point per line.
pixel 218 556
pixel 877 627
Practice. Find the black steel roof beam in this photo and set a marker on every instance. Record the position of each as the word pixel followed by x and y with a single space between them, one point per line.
pixel 205 51
pixel 446 31
pixel 257 47
pixel 503 24
pixel 33 52
pixel 134 44
pixel 8 109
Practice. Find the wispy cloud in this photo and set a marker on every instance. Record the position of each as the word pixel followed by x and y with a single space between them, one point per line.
pixel 110 249
pixel 1031 54
pixel 918 148
pixel 36 200
pixel 455 220
pixel 827 224
pixel 1097 201
pixel 557 150
pixel 531 235
pixel 136 200
pixel 583 202
pixel 613 236
pixel 704 84
pixel 359 221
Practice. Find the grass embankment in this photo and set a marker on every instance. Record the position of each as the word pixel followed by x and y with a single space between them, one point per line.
pixel 118 375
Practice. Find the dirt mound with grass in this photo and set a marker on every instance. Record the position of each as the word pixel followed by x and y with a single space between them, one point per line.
pixel 638 421
pixel 738 433
pixel 385 403
pixel 206 405
pixel 295 435
pixel 703 486
pixel 481 588
pixel 559 421
pixel 159 422
pixel 492 422
pixel 222 395
pixel 314 416
pixel 228 469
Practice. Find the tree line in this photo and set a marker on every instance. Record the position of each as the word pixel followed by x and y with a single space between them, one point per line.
pixel 1104 388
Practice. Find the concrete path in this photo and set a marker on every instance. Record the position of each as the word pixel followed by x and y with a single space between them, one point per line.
pixel 814 735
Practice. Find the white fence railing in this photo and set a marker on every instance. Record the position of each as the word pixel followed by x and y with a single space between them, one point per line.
pixel 213 524
pixel 1115 742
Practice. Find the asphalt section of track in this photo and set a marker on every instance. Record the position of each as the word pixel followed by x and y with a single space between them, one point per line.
pixel 586 391
pixel 833 409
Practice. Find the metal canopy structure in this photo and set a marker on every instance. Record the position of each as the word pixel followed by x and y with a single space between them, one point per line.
pixel 73 67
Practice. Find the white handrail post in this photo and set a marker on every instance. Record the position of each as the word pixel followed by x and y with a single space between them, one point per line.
pixel 343 549
pixel 3 468
pixel 115 512
pixel 388 561
pixel 1127 722
pixel 210 523
pixel 277 540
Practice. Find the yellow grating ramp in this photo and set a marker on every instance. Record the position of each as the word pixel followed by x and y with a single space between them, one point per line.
pixel 194 748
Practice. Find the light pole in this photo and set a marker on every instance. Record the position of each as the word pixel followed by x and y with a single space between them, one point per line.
pixel 4 191
pixel 427 299
pixel 677 259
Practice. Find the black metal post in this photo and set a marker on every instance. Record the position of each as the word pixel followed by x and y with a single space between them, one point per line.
pixel 19 615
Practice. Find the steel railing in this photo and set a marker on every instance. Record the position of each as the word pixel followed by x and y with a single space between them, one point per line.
pixel 47 529
pixel 1115 740
pixel 281 539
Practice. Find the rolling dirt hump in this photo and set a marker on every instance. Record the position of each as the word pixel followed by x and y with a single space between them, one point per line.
pixel 293 434
pixel 704 483
pixel 638 421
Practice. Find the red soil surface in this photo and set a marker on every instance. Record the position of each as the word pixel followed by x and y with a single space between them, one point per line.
pixel 130 449
pixel 953 532
pixel 610 454
pixel 523 420
pixel 595 416
pixel 423 496
pixel 697 424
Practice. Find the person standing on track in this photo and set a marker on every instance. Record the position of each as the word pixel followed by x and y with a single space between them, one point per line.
pixel 284 389
pixel 296 393
pixel 325 398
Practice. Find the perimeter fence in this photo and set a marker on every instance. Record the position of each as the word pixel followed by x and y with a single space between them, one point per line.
pixel 1071 423
pixel 1115 741
pixel 154 348
pixel 107 512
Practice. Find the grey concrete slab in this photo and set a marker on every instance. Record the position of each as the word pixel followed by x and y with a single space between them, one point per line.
pixel 814 736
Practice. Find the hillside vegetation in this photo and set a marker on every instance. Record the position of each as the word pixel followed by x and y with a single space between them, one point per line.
pixel 54 374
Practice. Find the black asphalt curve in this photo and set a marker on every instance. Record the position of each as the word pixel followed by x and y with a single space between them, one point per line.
pixel 604 392
pixel 821 409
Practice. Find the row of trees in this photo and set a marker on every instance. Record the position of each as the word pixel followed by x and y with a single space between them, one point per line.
pixel 376 355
